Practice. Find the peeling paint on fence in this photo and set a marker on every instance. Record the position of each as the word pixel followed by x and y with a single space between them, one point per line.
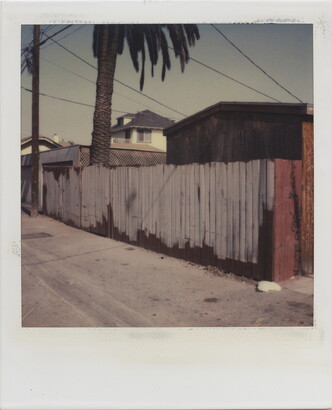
pixel 213 214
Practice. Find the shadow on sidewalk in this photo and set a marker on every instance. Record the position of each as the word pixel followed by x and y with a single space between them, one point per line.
pixel 26 208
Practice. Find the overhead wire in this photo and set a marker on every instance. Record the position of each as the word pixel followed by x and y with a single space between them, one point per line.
pixel 67 35
pixel 118 81
pixel 255 64
pixel 41 42
pixel 66 100
pixel 229 77
pixel 94 83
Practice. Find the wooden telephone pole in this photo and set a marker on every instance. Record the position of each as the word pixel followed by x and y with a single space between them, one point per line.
pixel 35 124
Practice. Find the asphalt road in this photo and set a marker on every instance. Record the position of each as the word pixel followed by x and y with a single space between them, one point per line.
pixel 71 278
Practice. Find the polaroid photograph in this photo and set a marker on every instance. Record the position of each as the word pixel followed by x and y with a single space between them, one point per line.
pixel 165 205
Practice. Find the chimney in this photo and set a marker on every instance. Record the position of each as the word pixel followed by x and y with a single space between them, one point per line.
pixel 56 138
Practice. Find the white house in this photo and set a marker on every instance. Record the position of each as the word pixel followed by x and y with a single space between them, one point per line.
pixel 144 127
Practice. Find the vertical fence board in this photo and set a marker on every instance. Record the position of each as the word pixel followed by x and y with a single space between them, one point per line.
pixel 182 234
pixel 196 205
pixel 236 211
pixel 207 204
pixel 224 216
pixel 255 209
pixel 218 200
pixel 243 204
pixel 212 222
pixel 249 211
pixel 201 205
pixel 230 210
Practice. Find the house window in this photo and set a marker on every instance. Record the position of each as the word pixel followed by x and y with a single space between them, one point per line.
pixel 127 134
pixel 144 136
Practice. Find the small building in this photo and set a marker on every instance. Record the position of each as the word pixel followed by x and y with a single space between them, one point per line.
pixel 45 144
pixel 144 127
pixel 231 131
pixel 240 132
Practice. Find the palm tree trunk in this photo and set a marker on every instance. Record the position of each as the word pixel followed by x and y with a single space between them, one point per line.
pixel 101 135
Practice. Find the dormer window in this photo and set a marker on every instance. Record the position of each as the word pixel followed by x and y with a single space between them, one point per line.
pixel 120 122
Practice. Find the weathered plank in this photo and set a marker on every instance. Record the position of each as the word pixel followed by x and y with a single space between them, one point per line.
pixel 182 234
pixel 202 194
pixel 224 215
pixel 236 211
pixel 212 222
pixel 192 205
pixel 255 209
pixel 218 200
pixel 230 211
pixel 242 213
pixel 207 204
pixel 249 212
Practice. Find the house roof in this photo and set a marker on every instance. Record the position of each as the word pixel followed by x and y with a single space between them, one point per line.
pixel 144 119
pixel 49 141
pixel 257 107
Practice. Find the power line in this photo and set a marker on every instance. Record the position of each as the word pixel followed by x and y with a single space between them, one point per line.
pixel 24 64
pixel 230 78
pixel 94 83
pixel 256 65
pixel 66 100
pixel 118 81
pixel 67 35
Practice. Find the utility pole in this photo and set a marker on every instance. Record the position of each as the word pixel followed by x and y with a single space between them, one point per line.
pixel 35 124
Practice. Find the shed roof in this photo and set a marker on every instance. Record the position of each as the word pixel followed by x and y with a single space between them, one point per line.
pixel 255 107
pixel 146 119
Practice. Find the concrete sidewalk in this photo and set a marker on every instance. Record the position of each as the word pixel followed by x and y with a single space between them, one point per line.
pixel 74 278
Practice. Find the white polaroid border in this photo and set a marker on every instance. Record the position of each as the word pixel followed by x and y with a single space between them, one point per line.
pixel 183 368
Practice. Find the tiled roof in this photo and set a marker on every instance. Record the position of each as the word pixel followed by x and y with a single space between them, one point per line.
pixel 146 119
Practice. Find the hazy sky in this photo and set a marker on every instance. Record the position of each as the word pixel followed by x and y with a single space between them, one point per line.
pixel 284 51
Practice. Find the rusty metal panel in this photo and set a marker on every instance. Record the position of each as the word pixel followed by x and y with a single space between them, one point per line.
pixel 307 219
pixel 286 222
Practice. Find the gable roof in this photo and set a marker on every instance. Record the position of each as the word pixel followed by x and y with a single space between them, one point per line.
pixel 27 140
pixel 144 119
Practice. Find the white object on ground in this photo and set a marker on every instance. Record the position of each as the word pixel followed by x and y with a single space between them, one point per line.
pixel 265 286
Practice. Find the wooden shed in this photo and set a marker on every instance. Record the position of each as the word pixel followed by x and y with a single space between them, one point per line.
pixel 231 131
pixel 240 132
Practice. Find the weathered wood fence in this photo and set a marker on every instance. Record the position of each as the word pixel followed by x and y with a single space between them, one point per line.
pixel 213 214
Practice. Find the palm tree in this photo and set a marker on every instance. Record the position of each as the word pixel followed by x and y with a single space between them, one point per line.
pixel 108 42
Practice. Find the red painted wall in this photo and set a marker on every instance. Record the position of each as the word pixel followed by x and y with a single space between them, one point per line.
pixel 286 219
